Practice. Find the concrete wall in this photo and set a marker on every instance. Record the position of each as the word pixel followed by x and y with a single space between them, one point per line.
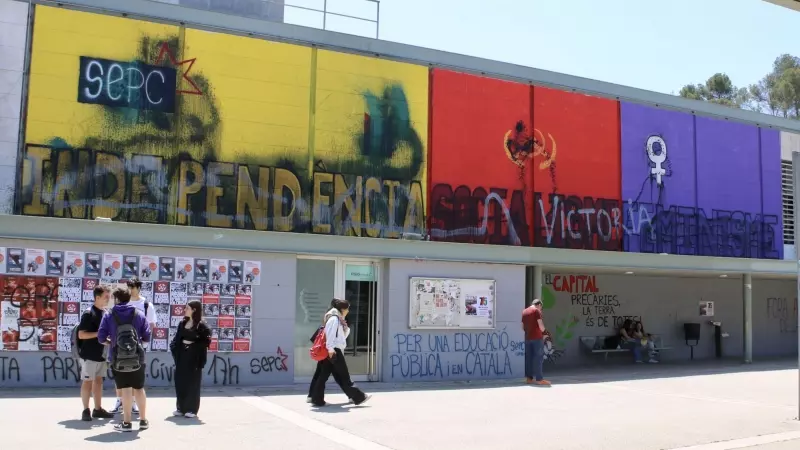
pixel 273 323
pixel 597 306
pixel 13 30
pixel 423 355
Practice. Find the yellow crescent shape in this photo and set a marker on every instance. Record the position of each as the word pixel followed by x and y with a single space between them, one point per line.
pixel 545 164
pixel 538 149
pixel 508 150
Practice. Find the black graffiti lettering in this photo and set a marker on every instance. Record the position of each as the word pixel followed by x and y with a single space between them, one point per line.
pixel 9 369
pixel 224 371
pixel 691 231
pixel 577 223
pixel 56 368
pixel 267 364
pixel 161 371
pixel 478 216
pixel 86 183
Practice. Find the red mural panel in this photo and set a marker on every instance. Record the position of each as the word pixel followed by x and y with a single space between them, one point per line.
pixel 576 171
pixel 480 145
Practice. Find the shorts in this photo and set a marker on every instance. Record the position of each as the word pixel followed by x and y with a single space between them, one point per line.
pixel 133 380
pixel 93 369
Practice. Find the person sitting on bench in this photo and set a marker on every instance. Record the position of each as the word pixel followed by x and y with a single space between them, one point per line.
pixel 633 336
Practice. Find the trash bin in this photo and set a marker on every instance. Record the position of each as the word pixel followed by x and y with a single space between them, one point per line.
pixel 691 332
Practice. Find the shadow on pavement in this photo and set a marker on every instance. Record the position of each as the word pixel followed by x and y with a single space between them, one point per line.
pixel 184 422
pixel 78 424
pixel 114 436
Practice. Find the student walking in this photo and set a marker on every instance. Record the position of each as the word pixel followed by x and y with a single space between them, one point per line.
pixel 318 370
pixel 189 349
pixel 125 329
pixel 93 361
pixel 335 335
pixel 140 303
pixel 533 325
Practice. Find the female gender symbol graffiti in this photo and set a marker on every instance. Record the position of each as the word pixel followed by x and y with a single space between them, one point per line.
pixel 657 144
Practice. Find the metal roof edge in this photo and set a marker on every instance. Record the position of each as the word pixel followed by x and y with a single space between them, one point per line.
pixel 127 233
pixel 214 21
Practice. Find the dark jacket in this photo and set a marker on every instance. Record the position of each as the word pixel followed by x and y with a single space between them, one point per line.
pixel 197 352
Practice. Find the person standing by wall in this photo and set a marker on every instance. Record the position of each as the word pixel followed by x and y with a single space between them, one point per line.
pixel 125 330
pixel 189 349
pixel 93 361
pixel 146 308
pixel 533 325
pixel 336 341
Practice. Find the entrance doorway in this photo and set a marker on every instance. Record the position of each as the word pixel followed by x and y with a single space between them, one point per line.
pixel 319 280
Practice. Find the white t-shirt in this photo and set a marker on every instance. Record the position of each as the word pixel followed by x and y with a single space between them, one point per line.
pixel 150 315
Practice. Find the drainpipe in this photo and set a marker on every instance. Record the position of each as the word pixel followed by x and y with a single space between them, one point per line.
pixel 747 295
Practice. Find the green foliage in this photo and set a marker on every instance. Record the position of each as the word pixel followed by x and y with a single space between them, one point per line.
pixel 778 93
pixel 548 298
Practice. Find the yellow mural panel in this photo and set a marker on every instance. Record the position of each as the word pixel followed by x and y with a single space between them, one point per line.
pixel 371 116
pixel 156 123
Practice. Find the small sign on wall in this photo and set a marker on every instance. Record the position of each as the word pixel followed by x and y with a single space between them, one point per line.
pixel 706 309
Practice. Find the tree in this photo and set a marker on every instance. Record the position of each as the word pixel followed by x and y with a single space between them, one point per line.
pixel 717 89
pixel 778 93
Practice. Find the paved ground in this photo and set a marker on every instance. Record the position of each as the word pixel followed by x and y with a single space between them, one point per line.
pixel 650 408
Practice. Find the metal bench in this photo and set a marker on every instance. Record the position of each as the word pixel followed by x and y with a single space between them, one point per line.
pixel 596 345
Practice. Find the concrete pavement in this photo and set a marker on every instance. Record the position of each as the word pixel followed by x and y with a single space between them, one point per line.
pixel 641 407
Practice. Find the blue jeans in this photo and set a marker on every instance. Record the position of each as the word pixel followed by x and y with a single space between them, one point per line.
pixel 637 347
pixel 534 359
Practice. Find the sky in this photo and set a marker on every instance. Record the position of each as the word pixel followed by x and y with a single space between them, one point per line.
pixel 658 45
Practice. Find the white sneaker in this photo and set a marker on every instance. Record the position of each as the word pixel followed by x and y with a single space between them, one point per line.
pixel 653 361
pixel 117 407
pixel 177 413
pixel 135 409
pixel 190 415
pixel 308 399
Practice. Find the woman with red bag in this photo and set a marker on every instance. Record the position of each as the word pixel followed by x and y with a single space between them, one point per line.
pixel 336 332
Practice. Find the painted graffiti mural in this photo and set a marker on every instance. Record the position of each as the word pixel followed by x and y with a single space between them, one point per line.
pixel 179 126
pixel 186 127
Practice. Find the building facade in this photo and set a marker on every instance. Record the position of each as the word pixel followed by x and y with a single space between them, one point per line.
pixel 264 169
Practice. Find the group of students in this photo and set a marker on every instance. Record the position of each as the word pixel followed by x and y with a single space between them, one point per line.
pixel 115 338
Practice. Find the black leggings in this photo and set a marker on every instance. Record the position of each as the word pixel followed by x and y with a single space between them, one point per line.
pixel 188 380
pixel 336 365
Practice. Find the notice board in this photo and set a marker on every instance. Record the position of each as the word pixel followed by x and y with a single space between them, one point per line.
pixel 451 303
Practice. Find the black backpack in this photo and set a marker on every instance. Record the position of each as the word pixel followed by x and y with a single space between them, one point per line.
pixel 128 352
pixel 75 343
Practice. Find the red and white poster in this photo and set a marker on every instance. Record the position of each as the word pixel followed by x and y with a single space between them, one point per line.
pixel 244 301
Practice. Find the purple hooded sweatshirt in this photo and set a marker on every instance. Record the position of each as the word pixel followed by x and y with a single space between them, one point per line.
pixel 108 326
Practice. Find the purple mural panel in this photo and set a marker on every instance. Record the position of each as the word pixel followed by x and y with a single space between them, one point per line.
pixel 658 179
pixel 728 188
pixel 771 195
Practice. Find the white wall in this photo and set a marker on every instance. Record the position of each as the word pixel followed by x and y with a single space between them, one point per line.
pixel 774 318
pixel 413 355
pixel 13 30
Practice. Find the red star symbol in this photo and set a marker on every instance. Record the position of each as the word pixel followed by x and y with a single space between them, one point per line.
pixel 283 357
pixel 185 75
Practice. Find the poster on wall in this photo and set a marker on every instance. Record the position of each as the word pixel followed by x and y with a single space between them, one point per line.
pixel 112 266
pixel 35 262
pixel 219 271
pixel 73 264
pixel 40 303
pixel 55 263
pixel 148 268
pixel 252 272
pixel 2 260
pixel 184 269
pixel 706 309
pixel 451 303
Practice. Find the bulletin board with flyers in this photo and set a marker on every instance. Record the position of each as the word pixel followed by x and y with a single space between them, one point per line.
pixel 451 303
pixel 44 292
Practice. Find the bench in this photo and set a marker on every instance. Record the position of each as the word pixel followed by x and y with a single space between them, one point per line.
pixel 596 345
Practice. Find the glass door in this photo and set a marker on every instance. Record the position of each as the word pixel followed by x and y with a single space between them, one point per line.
pixel 360 285
pixel 316 286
